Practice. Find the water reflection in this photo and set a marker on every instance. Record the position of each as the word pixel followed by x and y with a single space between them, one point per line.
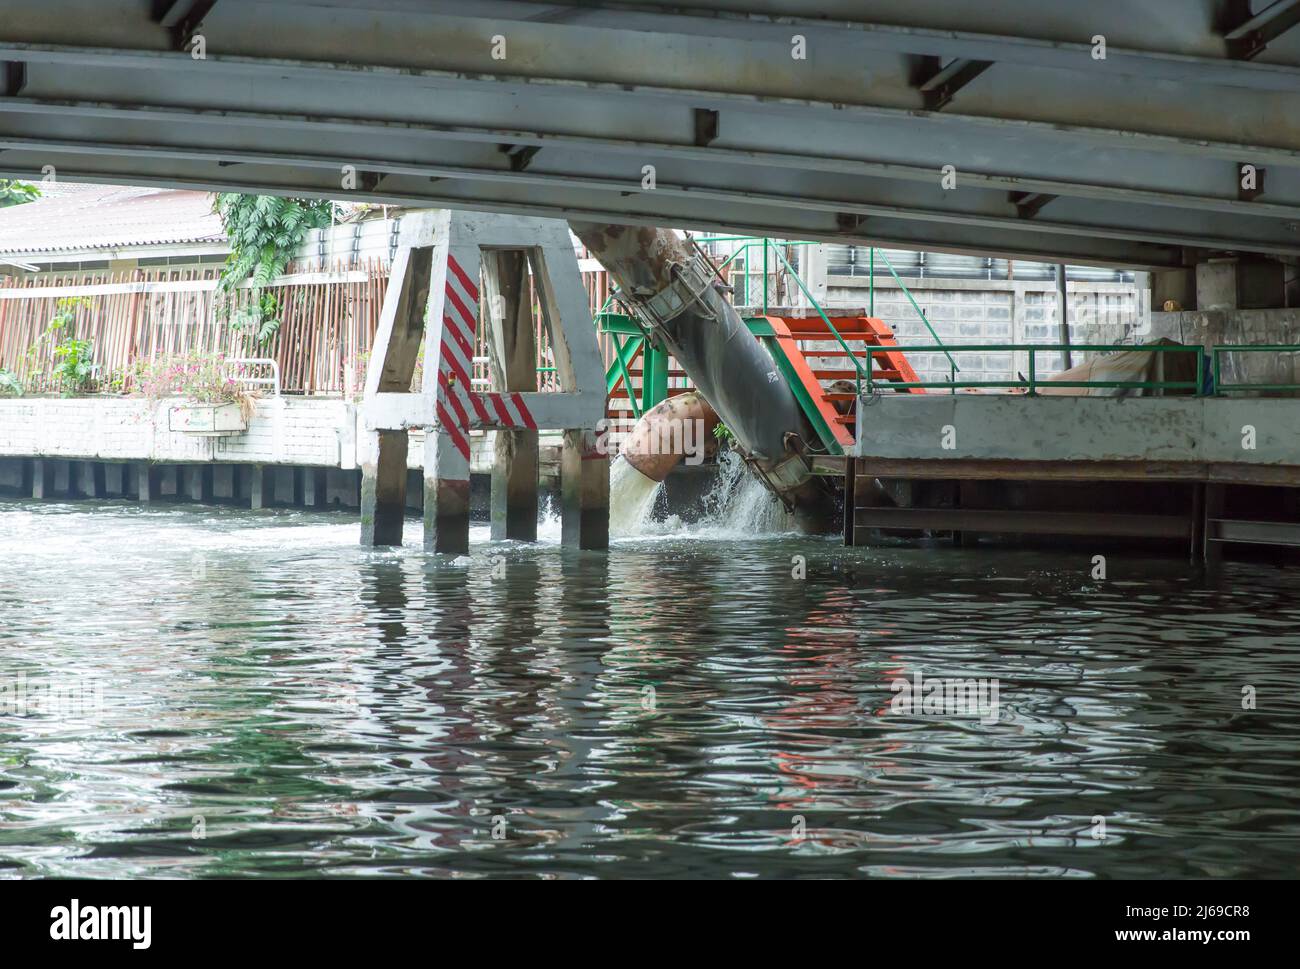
pixel 674 707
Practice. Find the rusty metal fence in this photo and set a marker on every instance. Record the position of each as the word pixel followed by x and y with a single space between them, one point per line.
pixel 328 321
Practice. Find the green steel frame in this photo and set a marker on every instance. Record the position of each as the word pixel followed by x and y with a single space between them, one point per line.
pixel 630 337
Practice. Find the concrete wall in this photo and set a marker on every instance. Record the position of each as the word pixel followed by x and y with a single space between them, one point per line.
pixel 298 431
pixel 307 431
pixel 1239 327
pixel 1019 428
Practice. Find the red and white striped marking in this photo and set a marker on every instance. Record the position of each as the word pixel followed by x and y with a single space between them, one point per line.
pixel 459 407
pixel 509 410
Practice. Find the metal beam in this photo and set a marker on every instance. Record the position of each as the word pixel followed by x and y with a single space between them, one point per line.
pixel 954 31
pixel 634 208
pixel 181 122
pixel 13 79
pixel 742 129
pixel 1253 532
pixel 1231 129
pixel 1140 227
pixel 941 86
pixel 1097 521
pixel 1251 36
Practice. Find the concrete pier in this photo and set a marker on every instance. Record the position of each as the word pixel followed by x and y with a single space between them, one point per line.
pixel 310 487
pixel 446 497
pixel 1138 467
pixel 584 489
pixel 42 479
pixel 261 486
pixel 199 483
pixel 383 491
pixel 513 356
pixel 397 348
pixel 434 302
pixel 148 482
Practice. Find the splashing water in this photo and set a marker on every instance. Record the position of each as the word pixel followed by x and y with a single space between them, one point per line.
pixel 736 506
pixel 631 498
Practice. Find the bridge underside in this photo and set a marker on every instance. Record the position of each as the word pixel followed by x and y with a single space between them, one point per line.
pixel 752 116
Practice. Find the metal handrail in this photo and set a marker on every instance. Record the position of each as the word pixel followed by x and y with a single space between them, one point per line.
pixel 1216 353
pixel 273 381
pixel 908 293
pixel 871 292
pixel 857 366
pixel 1031 383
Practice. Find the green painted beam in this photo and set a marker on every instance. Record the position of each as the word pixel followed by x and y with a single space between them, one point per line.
pixel 623 354
pixel 654 377
pixel 806 403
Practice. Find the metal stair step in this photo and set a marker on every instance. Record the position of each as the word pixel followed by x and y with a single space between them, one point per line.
pixel 879 373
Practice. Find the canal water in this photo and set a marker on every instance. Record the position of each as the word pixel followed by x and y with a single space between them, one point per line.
pixel 195 692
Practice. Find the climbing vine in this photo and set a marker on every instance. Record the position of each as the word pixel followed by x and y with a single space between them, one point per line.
pixel 264 231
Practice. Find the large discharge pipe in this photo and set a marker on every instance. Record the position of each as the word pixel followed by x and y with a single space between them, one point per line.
pixel 674 292
pixel 659 441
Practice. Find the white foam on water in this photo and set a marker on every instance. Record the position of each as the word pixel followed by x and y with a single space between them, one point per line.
pixel 549 528
pixel 737 506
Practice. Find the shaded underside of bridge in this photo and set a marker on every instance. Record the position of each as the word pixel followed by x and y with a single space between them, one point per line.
pixel 1133 158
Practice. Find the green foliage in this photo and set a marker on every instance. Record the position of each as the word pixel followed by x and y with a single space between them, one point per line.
pixel 13 192
pixel 10 385
pixel 722 432
pixel 74 359
pixel 75 367
pixel 264 231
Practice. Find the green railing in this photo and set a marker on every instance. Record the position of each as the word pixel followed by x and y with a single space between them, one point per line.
pixel 1032 382
pixel 782 261
pixel 857 366
pixel 908 293
pixel 768 246
pixel 1216 357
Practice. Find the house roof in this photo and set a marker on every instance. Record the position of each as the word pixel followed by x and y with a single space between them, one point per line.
pixel 77 217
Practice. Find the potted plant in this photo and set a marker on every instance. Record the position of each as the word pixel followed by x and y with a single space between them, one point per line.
pixel 213 401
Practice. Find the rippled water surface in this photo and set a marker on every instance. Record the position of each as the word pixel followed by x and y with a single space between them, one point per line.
pixel 679 706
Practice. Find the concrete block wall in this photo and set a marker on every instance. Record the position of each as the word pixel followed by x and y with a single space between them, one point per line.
pixel 964 311
pixel 289 431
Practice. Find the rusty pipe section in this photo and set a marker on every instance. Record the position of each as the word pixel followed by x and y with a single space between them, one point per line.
pixel 679 428
pixel 688 316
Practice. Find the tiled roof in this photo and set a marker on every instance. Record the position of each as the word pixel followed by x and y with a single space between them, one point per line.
pixel 72 217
